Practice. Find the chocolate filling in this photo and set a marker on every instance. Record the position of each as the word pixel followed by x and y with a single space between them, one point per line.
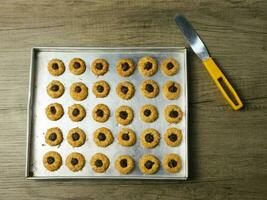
pixel 124 89
pixel 149 164
pixel 172 137
pixel 101 136
pixel 55 66
pixel 75 112
pixel 147 112
pixel 50 160
pixel 99 66
pixel 125 136
pixel 55 88
pixel 123 163
pixel 74 161
pixel 98 163
pixel 52 136
pixel 173 114
pixel 125 66
pixel 75 136
pixel 100 88
pixel 149 138
pixel 172 163
pixel 172 88
pixel 148 65
pixel 78 89
pixel 99 113
pixel 76 65
pixel 149 88
pixel 53 109
pixel 170 65
pixel 123 114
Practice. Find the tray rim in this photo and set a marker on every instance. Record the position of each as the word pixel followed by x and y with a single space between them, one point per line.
pixel 34 51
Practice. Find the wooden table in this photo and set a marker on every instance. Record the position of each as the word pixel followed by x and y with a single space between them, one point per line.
pixel 228 150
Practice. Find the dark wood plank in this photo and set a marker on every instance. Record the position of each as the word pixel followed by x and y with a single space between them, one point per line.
pixel 227 149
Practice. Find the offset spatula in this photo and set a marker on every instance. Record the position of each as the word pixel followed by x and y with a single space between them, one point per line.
pixel 199 48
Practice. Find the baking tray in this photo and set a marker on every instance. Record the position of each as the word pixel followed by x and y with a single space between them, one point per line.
pixel 37 122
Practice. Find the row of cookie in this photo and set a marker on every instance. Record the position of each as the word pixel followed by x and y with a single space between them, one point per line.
pixel 148 163
pixel 125 67
pixel 124 114
pixel 103 137
pixel 125 90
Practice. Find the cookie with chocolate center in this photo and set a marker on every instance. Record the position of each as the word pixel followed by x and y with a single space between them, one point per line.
pixel 101 113
pixel 126 137
pixel 124 164
pixel 173 114
pixel 76 112
pixel 124 115
pixel 101 89
pixel 148 66
pixel 76 137
pixel 75 161
pixel 103 137
pixel 125 67
pixel 149 164
pixel 149 88
pixel 100 67
pixel 169 66
pixel 55 89
pixel 77 66
pixel 78 91
pixel 54 111
pixel 150 138
pixel 125 90
pixel 99 162
pixel 52 161
pixel 56 67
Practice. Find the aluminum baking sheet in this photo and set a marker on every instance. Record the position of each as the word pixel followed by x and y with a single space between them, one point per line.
pixel 38 123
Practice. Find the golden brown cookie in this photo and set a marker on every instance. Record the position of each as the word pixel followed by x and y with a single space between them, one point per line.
pixel 124 115
pixel 172 163
pixel 149 113
pixel 76 137
pixel 149 164
pixel 75 161
pixel 56 67
pixel 55 89
pixel 53 136
pixel 76 112
pixel 78 91
pixel 101 113
pixel 125 90
pixel 173 114
pixel 101 89
pixel 52 161
pixel 54 111
pixel 150 138
pixel 99 162
pixel 148 66
pixel 149 88
pixel 126 137
pixel 173 137
pixel 103 137
pixel 124 164
pixel 169 66
pixel 77 66
pixel 99 67
pixel 125 67
pixel 171 90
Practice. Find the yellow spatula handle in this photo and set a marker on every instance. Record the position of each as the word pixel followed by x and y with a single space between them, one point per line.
pixel 223 84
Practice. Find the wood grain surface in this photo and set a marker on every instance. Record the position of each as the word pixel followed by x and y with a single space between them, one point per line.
pixel 228 150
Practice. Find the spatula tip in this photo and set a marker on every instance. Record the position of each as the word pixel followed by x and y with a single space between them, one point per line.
pixel 177 15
